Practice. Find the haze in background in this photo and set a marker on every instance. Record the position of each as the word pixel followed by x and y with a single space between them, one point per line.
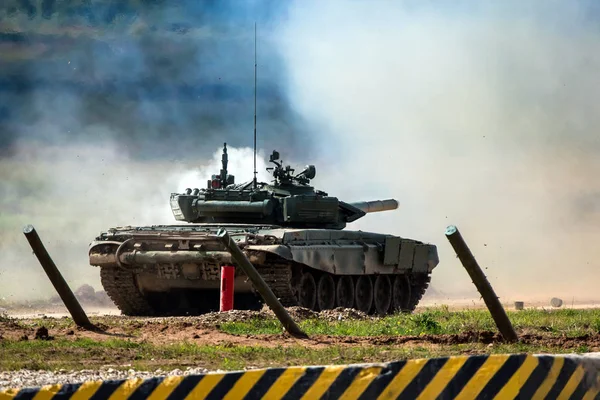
pixel 165 81
pixel 479 114
pixel 106 109
pixel 72 194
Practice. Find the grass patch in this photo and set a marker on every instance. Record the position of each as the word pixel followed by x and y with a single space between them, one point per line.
pixel 86 354
pixel 568 322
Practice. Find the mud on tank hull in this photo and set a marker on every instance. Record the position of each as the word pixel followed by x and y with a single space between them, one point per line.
pixel 175 269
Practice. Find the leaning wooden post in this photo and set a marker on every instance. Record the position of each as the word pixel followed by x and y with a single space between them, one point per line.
pixel 59 283
pixel 483 285
pixel 260 285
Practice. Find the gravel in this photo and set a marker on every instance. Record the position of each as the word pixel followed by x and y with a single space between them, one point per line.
pixel 27 378
pixel 297 313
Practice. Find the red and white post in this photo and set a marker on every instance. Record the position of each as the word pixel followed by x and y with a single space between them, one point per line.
pixel 227 278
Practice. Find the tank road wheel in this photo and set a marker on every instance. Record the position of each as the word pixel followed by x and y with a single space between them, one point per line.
pixel 382 294
pixel 344 292
pixel 363 293
pixel 401 293
pixel 326 292
pixel 307 291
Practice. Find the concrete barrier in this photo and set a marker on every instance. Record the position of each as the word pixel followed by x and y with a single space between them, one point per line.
pixel 495 376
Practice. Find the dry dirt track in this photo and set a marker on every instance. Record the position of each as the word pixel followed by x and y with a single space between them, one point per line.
pixel 174 331
pixel 204 330
pixel 59 311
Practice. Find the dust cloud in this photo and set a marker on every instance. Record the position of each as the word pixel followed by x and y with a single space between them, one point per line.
pixel 479 114
pixel 106 110
pixel 482 115
pixel 72 193
pixel 240 164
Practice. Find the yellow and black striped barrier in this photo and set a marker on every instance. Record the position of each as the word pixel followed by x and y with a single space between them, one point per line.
pixel 469 377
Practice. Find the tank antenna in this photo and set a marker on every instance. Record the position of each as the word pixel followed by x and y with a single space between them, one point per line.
pixel 254 105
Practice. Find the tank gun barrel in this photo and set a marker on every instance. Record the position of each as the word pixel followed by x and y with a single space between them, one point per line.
pixel 376 205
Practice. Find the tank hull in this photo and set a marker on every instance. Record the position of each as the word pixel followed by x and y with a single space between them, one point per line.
pixel 175 269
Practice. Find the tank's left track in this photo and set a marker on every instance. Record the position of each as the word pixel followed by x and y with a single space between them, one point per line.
pixel 297 285
pixel 286 280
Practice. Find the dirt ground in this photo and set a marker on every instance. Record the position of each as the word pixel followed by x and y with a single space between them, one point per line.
pixel 93 310
pixel 177 332
pixel 205 330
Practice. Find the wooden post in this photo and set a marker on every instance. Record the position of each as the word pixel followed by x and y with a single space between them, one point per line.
pixel 59 283
pixel 483 285
pixel 260 285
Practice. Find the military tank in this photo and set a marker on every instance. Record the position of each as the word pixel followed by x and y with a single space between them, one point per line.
pixel 293 234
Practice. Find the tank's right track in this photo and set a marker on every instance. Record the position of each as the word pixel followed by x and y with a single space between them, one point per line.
pixel 278 277
pixel 120 286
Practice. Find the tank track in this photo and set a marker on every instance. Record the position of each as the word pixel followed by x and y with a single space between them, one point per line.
pixel 120 286
pixel 279 277
pixel 418 288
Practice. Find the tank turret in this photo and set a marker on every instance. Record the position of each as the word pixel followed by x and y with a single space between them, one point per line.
pixel 289 201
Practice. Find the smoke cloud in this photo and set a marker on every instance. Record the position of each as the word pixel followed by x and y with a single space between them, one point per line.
pixel 106 109
pixel 479 114
pixel 72 194
pixel 482 115
pixel 167 80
